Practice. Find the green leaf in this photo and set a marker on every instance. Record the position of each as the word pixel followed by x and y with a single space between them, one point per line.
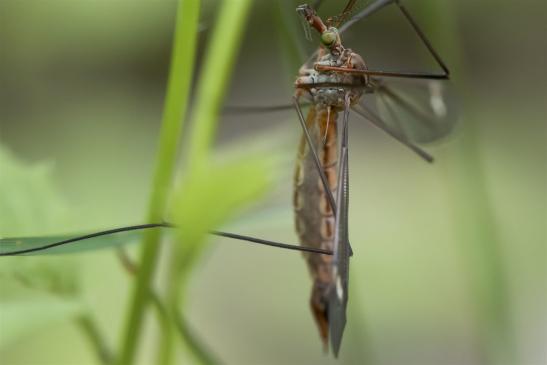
pixel 216 192
pixel 35 292
pixel 29 202
pixel 31 311
pixel 54 275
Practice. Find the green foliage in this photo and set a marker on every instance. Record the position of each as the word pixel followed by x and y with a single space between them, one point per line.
pixel 216 192
pixel 210 190
pixel 176 102
pixel 35 292
pixel 25 311
pixel 54 275
pixel 29 203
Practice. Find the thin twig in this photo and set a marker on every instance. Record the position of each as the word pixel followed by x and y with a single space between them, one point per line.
pixel 167 319
pixel 91 330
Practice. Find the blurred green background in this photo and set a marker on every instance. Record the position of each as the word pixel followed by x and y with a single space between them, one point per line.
pixel 82 86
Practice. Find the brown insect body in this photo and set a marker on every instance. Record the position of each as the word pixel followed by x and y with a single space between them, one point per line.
pixel 314 218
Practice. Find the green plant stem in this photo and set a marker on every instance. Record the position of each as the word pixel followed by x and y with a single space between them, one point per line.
pixel 212 85
pixel 163 315
pixel 483 255
pixel 176 101
pixel 90 329
pixel 199 350
pixel 213 81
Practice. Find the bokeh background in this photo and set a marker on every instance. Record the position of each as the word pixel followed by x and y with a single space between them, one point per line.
pixel 449 264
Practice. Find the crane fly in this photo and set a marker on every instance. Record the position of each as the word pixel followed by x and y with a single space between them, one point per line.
pixel 334 81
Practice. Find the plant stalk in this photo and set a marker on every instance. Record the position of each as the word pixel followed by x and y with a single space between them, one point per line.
pixel 90 329
pixel 213 82
pixel 176 102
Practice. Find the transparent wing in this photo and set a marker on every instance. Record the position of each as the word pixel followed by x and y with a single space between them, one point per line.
pixel 338 295
pixel 423 111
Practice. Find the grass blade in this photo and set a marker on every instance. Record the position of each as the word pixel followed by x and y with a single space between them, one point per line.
pixel 219 60
pixel 178 90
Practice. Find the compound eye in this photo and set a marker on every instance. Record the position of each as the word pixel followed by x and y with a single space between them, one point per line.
pixel 328 37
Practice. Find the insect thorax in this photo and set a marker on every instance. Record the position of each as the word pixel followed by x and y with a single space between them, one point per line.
pixel 328 88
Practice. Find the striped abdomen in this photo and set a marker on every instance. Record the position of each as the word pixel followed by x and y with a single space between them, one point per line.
pixel 314 218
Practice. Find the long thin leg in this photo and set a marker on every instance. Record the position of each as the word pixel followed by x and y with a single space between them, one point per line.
pixel 345 13
pixel 399 74
pixel 84 237
pixel 379 4
pixel 339 292
pixel 379 123
pixel 248 109
pixel 162 225
pixel 423 38
pixel 369 10
pixel 324 180
pixel 270 243
pixel 348 8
